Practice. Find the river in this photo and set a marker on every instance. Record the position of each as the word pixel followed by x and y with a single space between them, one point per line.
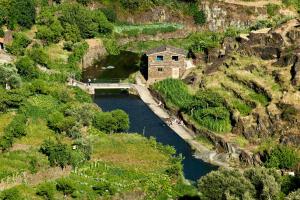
pixel 144 121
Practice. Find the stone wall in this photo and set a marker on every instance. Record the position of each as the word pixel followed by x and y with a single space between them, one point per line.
pixel 221 15
pixel 166 66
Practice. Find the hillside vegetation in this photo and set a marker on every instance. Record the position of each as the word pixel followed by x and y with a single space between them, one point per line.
pixel 55 143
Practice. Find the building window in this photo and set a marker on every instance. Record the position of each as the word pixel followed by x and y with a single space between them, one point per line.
pixel 175 58
pixel 159 58
pixel 160 69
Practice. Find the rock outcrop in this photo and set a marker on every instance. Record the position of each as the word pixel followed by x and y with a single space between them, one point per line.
pixel 96 50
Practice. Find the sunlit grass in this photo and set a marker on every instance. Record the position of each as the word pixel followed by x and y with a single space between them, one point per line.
pixel 131 151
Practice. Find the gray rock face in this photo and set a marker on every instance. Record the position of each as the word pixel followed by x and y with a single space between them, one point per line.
pixel 221 15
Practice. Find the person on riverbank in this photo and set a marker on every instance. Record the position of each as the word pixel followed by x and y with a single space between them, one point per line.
pixel 89 81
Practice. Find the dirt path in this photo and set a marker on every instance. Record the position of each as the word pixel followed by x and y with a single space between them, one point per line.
pixel 35 179
pixel 254 3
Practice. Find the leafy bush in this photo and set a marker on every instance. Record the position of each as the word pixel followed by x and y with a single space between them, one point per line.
pixel 110 14
pixel 39 56
pixel 111 46
pixel 110 122
pixel 9 76
pixel 104 189
pixel 26 68
pixel 11 194
pixel 50 34
pixel 205 40
pixel 66 185
pixel 46 190
pixel 282 157
pixel 2 32
pixel 272 9
pixel 58 154
pixel 78 52
pixel 20 42
pixel 225 184
pixel 22 13
pixel 200 17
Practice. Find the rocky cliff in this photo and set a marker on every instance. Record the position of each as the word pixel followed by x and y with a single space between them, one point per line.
pixel 96 49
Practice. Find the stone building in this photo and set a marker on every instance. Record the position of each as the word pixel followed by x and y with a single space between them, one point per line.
pixel 165 62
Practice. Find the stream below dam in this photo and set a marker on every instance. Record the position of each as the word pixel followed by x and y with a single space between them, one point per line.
pixel 144 121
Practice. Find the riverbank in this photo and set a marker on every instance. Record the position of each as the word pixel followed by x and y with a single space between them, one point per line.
pixel 186 134
pixel 140 89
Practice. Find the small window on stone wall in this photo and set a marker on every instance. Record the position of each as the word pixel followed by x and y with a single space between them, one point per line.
pixel 159 58
pixel 160 69
pixel 175 58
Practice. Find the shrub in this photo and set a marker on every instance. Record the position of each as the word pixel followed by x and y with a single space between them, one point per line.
pixel 78 52
pixel 1 32
pixel 205 40
pixel 130 4
pixel 22 12
pixel 110 14
pixel 72 33
pixel 20 42
pixel 26 68
pixel 282 157
pixel 17 127
pixel 111 46
pixel 11 194
pixel 46 190
pixel 200 17
pixel 272 9
pixel 104 189
pixel 39 56
pixel 9 76
pixel 58 154
pixel 50 34
pixel 66 185
pixel 225 184
pixel 122 120
pixel 110 122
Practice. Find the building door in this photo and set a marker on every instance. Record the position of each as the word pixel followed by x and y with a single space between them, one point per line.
pixel 175 72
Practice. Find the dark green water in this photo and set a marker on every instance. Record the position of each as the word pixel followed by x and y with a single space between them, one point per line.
pixel 113 67
pixel 144 121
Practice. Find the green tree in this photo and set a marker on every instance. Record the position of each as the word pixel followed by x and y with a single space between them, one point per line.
pixel 26 68
pixel 282 157
pixel 51 34
pixel 9 76
pixel 72 33
pixel 223 184
pixel 110 122
pixel 122 120
pixel 267 182
pixel 20 42
pixel 11 194
pixel 22 13
pixel 58 154
pixel 293 195
pixel 105 122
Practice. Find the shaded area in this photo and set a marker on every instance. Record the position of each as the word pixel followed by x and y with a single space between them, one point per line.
pixel 113 67
pixel 144 121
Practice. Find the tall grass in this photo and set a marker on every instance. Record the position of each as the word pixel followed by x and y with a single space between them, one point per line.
pixel 206 107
